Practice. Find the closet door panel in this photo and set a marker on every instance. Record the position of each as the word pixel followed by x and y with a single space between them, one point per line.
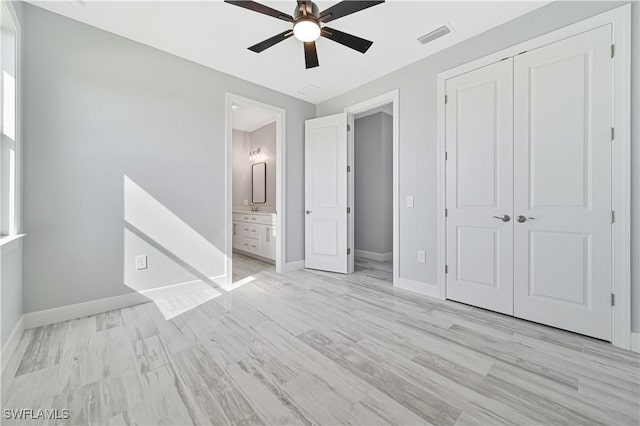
pixel 562 184
pixel 479 175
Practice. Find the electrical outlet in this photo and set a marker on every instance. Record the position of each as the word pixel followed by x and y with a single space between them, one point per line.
pixel 409 200
pixel 422 256
pixel 141 262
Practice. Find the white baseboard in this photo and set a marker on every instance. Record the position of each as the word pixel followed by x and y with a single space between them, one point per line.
pixel 92 307
pixel 380 257
pixel 292 266
pixel 12 343
pixel 83 309
pixel 635 341
pixel 425 289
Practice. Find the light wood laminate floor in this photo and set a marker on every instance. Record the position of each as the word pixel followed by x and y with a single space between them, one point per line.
pixel 320 348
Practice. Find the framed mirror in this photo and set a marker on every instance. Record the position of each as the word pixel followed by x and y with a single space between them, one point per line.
pixel 259 183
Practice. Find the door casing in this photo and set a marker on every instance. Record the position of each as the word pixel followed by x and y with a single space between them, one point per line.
pixel 281 195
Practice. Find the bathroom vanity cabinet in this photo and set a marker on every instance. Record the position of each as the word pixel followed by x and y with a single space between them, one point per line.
pixel 254 233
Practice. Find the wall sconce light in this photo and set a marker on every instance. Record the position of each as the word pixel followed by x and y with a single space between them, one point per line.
pixel 255 155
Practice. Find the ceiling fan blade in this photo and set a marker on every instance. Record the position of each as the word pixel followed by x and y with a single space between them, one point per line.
pixel 355 43
pixel 263 45
pixel 345 8
pixel 310 54
pixel 261 8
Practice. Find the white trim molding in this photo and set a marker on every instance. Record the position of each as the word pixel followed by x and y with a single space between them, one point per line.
pixel 392 97
pixel 83 309
pixel 293 266
pixel 425 289
pixel 379 257
pixel 281 194
pixel 5 241
pixel 13 16
pixel 635 341
pixel 93 307
pixel 620 21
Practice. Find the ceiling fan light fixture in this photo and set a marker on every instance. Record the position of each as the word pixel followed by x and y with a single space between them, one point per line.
pixel 307 22
pixel 306 30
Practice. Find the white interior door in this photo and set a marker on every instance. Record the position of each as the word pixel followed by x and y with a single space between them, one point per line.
pixel 562 155
pixel 479 176
pixel 326 193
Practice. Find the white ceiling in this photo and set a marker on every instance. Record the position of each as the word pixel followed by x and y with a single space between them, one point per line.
pixel 216 34
pixel 249 119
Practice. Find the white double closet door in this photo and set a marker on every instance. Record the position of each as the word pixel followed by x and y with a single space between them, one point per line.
pixel 528 185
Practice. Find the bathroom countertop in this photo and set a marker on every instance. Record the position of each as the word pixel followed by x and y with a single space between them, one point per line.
pixel 263 213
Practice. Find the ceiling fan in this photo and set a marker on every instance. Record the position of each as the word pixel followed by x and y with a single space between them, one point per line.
pixel 308 26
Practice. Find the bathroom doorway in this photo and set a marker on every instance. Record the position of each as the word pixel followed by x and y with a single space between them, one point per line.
pixel 255 185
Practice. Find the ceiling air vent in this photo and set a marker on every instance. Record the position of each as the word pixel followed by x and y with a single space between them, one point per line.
pixel 443 30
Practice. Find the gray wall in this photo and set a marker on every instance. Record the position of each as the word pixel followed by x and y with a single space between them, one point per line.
pixel 373 175
pixel 243 143
pixel 418 100
pixel 11 304
pixel 241 169
pixel 265 139
pixel 124 155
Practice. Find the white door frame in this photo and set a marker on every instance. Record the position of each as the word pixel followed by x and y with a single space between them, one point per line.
pixel 620 21
pixel 392 97
pixel 281 252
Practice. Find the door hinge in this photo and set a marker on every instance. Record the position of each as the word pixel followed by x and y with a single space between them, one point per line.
pixel 348 127
pixel 613 133
pixel 348 251
pixel 348 169
pixel 446 99
pixel 613 216
pixel 446 212
pixel 348 210
pixel 613 50
pixel 613 299
pixel 446 156
pixel 446 269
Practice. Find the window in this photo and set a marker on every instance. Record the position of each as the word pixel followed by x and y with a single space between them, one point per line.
pixel 9 143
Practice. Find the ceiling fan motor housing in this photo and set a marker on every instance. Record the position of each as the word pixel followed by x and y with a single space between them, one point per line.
pixel 301 12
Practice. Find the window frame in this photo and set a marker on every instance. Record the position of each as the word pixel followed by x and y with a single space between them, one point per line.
pixel 15 229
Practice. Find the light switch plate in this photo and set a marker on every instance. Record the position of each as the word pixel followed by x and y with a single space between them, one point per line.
pixel 422 256
pixel 141 262
pixel 409 200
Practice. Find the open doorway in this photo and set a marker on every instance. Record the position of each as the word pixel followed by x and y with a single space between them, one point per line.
pixel 373 187
pixel 255 142
pixel 373 192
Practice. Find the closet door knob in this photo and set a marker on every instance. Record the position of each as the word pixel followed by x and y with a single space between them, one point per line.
pixel 308 212
pixel 505 218
pixel 523 219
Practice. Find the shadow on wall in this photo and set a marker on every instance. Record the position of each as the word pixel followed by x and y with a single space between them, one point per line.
pixel 184 270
